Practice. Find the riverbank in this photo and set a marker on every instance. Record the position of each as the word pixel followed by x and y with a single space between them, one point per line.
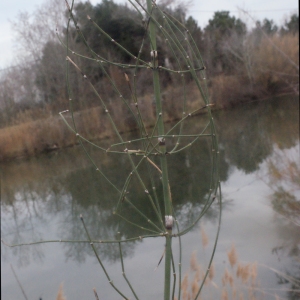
pixel 49 134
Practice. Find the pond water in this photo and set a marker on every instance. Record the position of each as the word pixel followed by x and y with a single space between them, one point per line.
pixel 43 197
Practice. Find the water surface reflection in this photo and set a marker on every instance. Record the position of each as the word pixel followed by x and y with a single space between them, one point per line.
pixel 43 197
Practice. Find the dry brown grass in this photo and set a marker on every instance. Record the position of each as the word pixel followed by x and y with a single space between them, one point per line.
pixel 227 90
pixel 36 136
pixel 39 136
pixel 33 137
pixel 274 71
pixel 277 63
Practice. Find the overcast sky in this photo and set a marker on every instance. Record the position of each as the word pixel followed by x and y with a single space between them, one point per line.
pixel 202 11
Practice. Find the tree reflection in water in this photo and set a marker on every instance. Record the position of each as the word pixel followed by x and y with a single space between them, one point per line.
pixel 38 204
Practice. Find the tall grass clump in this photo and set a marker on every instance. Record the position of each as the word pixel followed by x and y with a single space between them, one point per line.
pixel 147 156
pixel 233 279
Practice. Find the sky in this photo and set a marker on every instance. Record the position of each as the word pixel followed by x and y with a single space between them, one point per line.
pixel 200 10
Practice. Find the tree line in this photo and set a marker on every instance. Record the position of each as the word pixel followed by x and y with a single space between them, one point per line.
pixel 241 62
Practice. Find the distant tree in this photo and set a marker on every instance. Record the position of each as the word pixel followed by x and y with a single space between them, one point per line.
pixel 17 93
pixel 221 28
pixel 50 77
pixel 7 103
pixel 34 33
pixel 196 32
pixel 267 26
pixel 291 25
pixel 118 21
pixel 222 24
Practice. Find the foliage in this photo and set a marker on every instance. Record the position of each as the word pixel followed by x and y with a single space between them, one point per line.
pixel 291 25
pixel 219 30
pixel 222 25
pixel 268 26
pixel 231 53
pixel 118 21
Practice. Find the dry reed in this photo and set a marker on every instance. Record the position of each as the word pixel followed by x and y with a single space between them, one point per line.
pixel 211 273
pixel 60 294
pixel 224 294
pixel 204 238
pixel 194 262
pixel 232 256
pixel 238 282
pixel 37 136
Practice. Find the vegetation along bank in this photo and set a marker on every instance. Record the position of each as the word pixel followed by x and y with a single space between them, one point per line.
pixel 242 65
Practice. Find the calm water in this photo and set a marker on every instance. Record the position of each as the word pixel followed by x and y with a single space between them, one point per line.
pixel 42 198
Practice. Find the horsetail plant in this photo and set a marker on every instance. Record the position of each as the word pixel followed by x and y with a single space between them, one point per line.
pixel 154 144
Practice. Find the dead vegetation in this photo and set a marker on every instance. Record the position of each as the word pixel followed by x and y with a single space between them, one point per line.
pixel 47 134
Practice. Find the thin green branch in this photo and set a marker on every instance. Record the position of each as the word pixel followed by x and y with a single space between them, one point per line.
pixel 215 242
pixel 100 262
pixel 123 272
pixel 85 241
